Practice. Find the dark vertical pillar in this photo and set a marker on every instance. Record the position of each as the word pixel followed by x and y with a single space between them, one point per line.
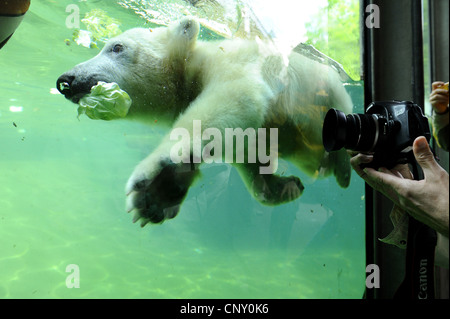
pixel 393 70
pixel 439 56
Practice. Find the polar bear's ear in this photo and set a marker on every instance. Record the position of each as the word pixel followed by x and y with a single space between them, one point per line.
pixel 186 29
pixel 182 36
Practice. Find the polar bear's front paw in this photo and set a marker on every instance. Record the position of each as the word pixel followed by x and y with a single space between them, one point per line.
pixel 157 196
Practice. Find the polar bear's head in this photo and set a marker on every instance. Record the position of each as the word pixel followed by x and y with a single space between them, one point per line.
pixel 146 63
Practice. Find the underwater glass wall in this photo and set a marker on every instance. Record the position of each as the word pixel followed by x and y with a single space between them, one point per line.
pixel 64 227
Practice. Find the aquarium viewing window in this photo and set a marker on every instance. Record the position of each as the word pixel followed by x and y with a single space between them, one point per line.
pixel 63 219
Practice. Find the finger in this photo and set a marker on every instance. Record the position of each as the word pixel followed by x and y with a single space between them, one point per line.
pixel 440 91
pixel 361 159
pixel 404 171
pixel 352 153
pixel 423 154
pixel 397 173
pixel 357 161
pixel 384 181
pixel 437 84
pixel 439 97
pixel 392 172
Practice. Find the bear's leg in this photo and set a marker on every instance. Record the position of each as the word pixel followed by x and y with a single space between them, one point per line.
pixel 270 189
pixel 342 170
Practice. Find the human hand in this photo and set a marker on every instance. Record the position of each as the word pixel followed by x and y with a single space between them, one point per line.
pixel 439 97
pixel 426 200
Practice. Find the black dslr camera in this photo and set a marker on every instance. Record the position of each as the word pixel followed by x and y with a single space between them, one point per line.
pixel 387 129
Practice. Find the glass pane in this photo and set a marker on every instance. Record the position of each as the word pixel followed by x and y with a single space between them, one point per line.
pixel 63 177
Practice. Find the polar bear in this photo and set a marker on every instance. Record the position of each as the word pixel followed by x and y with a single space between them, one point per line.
pixel 177 79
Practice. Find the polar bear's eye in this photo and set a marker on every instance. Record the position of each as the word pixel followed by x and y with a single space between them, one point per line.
pixel 117 48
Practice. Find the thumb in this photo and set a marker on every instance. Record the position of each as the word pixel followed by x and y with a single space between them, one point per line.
pixel 423 154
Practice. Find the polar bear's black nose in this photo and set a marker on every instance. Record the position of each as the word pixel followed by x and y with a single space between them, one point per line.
pixel 64 85
pixel 75 87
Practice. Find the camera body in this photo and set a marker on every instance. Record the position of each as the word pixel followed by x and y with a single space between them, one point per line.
pixel 387 129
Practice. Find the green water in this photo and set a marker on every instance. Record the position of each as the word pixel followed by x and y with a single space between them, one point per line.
pixel 62 200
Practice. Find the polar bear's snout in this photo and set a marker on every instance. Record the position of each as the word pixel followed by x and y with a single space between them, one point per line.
pixel 74 87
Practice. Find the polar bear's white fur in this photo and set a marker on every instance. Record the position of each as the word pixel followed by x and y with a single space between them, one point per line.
pixel 175 78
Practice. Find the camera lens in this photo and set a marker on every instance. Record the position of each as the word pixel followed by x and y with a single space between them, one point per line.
pixel 358 132
pixel 334 130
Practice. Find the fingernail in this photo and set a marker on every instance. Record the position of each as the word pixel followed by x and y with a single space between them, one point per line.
pixel 421 144
pixel 366 158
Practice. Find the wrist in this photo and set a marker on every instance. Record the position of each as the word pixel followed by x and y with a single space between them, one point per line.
pixel 439 112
